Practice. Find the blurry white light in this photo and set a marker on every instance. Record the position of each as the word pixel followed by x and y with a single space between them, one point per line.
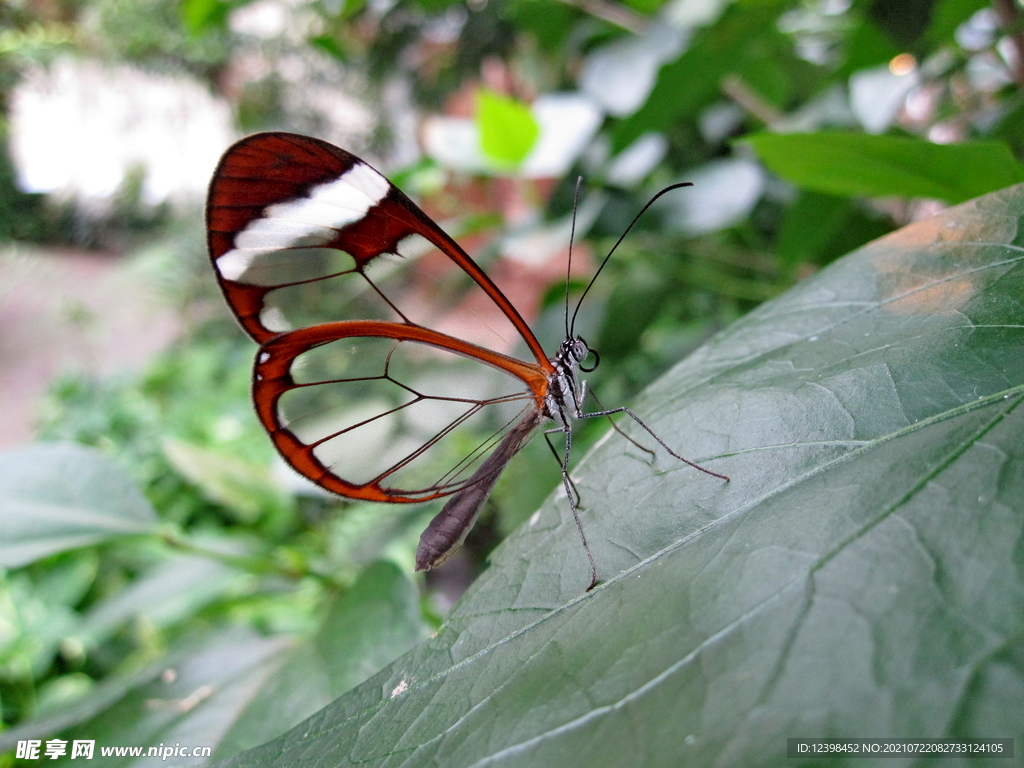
pixel 80 127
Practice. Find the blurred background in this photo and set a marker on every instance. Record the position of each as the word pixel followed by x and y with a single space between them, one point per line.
pixel 808 128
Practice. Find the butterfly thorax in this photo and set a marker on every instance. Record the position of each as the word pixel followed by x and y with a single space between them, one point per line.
pixel 565 390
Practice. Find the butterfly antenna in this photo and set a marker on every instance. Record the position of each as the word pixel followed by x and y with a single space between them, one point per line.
pixel 568 267
pixel 572 325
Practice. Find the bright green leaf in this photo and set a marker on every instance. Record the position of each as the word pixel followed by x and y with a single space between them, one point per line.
pixel 508 130
pixel 882 166
pixel 201 15
pixel 56 496
pixel 860 574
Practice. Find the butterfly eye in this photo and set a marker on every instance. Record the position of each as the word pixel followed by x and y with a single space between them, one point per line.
pixel 597 361
pixel 578 349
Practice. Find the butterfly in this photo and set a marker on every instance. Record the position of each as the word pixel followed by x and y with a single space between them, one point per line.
pixel 300 231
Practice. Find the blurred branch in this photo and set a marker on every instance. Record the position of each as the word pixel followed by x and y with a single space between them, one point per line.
pixel 1009 20
pixel 750 100
pixel 613 13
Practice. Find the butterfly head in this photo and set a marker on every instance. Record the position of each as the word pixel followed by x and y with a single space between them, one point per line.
pixel 575 351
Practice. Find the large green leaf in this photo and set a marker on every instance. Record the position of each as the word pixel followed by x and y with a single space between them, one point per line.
pixel 857 164
pixel 59 496
pixel 861 575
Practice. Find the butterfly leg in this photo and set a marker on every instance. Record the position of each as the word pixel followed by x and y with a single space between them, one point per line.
pixel 554 452
pixel 567 429
pixel 615 426
pixel 579 414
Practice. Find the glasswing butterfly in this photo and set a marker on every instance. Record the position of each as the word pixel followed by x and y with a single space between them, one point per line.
pixel 301 232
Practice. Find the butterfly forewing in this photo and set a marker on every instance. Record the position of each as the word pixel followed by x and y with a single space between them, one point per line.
pixel 302 233
pixel 382 372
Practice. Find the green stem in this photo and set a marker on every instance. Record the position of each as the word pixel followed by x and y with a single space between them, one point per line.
pixel 261 566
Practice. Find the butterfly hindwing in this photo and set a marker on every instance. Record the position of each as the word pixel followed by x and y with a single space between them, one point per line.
pixel 381 411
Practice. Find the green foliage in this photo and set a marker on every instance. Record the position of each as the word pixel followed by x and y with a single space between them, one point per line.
pixel 363 630
pixel 744 42
pixel 24 41
pixel 548 23
pixel 817 228
pixel 197 393
pixel 229 546
pixel 237 688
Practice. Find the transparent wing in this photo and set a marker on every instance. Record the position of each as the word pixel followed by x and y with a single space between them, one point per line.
pixel 388 412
